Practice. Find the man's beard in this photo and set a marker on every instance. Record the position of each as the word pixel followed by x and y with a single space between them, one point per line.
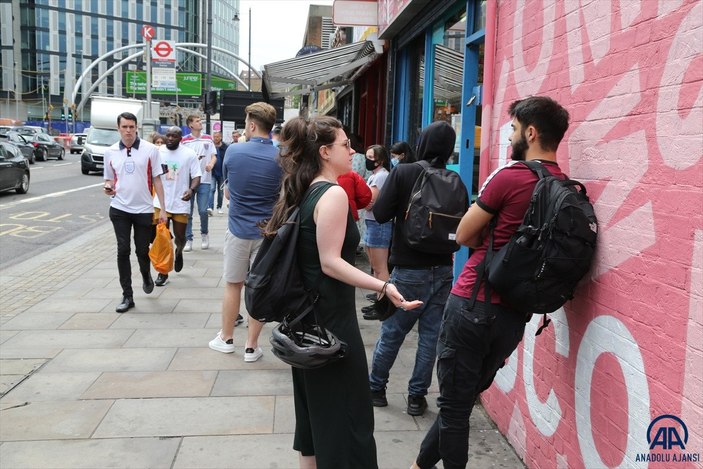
pixel 519 149
pixel 174 146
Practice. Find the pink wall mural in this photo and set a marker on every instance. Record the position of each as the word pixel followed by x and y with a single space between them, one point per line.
pixel 629 348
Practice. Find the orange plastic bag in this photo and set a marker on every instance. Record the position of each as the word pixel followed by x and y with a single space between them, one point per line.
pixel 161 251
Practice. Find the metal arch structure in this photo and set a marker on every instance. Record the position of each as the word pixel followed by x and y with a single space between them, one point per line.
pixel 182 46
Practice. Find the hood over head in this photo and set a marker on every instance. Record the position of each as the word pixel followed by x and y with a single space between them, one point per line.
pixel 436 143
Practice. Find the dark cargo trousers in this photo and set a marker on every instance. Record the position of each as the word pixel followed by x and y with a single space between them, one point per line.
pixel 473 344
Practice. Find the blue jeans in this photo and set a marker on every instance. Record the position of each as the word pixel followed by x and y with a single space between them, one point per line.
pixel 216 185
pixel 202 195
pixel 473 344
pixel 432 286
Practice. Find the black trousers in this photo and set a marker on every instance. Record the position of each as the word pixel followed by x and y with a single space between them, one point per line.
pixel 123 222
pixel 473 344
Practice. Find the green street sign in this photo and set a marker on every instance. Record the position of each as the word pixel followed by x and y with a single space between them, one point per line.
pixel 189 84
pixel 219 84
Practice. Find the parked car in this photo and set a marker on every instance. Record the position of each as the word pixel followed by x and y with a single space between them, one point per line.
pixel 77 142
pixel 30 130
pixel 21 142
pixel 14 169
pixel 4 129
pixel 46 147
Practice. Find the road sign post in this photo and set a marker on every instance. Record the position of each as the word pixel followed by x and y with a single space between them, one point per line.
pixel 148 34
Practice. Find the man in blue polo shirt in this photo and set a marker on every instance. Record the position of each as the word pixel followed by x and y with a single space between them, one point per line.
pixel 253 182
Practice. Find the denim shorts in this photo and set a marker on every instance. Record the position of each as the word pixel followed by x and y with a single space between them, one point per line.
pixel 378 235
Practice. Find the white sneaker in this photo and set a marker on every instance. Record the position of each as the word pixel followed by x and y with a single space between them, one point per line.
pixel 220 345
pixel 219 210
pixel 206 242
pixel 189 246
pixel 209 212
pixel 251 355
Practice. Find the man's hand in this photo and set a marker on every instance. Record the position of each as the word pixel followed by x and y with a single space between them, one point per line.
pixel 108 189
pixel 162 216
pixel 187 194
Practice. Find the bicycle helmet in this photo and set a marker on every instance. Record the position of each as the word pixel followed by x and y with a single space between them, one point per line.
pixel 306 346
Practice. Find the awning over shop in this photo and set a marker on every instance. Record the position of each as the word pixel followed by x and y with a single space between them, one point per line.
pixel 321 70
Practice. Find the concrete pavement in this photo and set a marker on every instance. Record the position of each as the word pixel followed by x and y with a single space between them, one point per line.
pixel 85 387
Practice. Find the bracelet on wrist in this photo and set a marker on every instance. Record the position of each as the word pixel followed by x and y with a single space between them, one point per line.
pixel 385 285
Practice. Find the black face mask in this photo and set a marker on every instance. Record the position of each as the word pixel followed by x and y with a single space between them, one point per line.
pixel 371 165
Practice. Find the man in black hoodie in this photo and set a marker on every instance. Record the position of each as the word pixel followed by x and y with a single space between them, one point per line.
pixel 427 277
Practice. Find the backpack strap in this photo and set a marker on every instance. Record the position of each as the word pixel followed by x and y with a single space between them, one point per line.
pixel 481 267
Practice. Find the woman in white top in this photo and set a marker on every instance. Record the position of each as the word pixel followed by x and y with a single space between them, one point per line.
pixel 378 235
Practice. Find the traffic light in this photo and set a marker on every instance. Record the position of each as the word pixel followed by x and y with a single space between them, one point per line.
pixel 211 102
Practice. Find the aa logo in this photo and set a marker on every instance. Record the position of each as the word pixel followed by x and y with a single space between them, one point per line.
pixel 668 432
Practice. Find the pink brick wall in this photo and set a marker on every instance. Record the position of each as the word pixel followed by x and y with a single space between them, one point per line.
pixel 630 346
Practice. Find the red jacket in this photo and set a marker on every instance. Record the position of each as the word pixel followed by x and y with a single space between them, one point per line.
pixel 357 190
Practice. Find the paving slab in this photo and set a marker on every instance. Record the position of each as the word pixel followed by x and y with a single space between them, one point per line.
pixel 253 382
pixel 117 453
pixel 90 321
pixel 134 359
pixel 52 420
pixel 36 321
pixel 190 337
pixel 237 451
pixel 188 417
pixel 68 339
pixel 206 359
pixel 161 320
pixel 126 385
pixel 50 387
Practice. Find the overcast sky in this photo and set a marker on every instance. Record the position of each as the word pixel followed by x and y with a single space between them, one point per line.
pixel 277 28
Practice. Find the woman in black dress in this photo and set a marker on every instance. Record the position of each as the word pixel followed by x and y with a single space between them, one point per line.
pixel 334 416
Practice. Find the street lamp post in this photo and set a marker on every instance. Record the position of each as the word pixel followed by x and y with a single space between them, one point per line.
pixel 209 63
pixel 249 59
pixel 236 18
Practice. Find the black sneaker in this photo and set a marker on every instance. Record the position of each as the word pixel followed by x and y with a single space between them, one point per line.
pixel 239 320
pixel 367 309
pixel 416 405
pixel 161 280
pixel 378 398
pixel 371 297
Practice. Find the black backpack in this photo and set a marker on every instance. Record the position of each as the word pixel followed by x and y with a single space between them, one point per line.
pixel 274 289
pixel 538 269
pixel 437 202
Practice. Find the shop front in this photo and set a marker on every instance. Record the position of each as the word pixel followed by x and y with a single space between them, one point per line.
pixel 435 69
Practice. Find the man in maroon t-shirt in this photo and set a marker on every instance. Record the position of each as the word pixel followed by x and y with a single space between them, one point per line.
pixel 476 339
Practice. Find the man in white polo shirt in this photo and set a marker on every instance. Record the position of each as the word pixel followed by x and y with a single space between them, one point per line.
pixel 180 178
pixel 203 146
pixel 132 169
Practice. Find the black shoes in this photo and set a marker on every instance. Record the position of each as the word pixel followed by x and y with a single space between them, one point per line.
pixel 161 280
pixel 148 285
pixel 178 263
pixel 239 320
pixel 378 398
pixel 371 297
pixel 416 405
pixel 126 303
